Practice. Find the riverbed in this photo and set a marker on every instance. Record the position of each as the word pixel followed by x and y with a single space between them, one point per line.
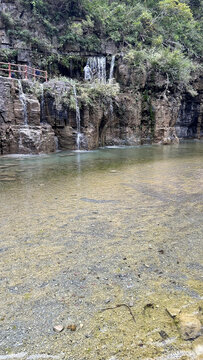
pixel 105 241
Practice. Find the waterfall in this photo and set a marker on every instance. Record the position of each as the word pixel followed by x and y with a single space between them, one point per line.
pixel 42 104
pixel 96 69
pixel 22 98
pixel 56 142
pixel 77 109
pixel 112 68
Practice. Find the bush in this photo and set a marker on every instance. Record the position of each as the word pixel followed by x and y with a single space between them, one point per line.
pixel 7 20
pixel 90 93
pixel 170 62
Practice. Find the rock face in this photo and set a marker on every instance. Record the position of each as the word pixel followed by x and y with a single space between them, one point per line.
pixel 147 109
pixel 128 118
pixel 20 128
pixel 189 123
pixel 32 116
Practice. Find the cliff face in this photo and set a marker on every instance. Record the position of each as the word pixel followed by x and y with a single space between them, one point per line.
pixel 20 128
pixel 32 116
pixel 35 118
pixel 189 123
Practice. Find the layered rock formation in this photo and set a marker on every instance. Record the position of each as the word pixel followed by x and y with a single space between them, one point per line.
pixel 20 128
pixel 32 116
pixel 146 110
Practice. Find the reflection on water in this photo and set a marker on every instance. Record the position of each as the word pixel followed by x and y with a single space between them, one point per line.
pixel 82 231
pixel 71 163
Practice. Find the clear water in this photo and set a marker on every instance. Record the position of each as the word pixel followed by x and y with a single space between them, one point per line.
pixel 83 231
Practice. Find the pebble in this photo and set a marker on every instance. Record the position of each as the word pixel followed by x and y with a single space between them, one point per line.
pixel 58 328
pixel 72 327
pixel 173 312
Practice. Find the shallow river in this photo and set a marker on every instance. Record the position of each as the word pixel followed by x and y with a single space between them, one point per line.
pixel 81 233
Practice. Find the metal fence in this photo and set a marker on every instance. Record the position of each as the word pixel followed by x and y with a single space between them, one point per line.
pixel 22 71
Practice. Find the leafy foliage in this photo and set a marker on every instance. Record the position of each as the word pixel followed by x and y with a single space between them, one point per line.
pixel 164 35
pixel 171 63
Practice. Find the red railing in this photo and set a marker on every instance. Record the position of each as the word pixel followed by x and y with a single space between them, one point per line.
pixel 26 72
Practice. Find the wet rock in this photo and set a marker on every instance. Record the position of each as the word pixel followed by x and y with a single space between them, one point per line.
pixel 58 328
pixel 189 326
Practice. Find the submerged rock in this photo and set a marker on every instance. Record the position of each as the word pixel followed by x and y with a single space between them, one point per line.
pixel 58 328
pixel 189 326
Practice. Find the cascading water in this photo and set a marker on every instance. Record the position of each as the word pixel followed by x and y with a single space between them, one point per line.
pixel 112 69
pixel 56 143
pixel 42 104
pixel 96 69
pixel 78 120
pixel 22 98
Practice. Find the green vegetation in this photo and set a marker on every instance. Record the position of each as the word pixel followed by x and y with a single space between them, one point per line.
pixel 88 94
pixel 164 36
pixel 7 55
pixel 173 63
pixel 127 22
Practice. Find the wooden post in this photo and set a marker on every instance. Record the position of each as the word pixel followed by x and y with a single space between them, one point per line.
pixel 46 77
pixel 9 70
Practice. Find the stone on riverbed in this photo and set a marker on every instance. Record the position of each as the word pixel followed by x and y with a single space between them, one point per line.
pixel 173 312
pixel 72 327
pixel 189 326
pixel 58 328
